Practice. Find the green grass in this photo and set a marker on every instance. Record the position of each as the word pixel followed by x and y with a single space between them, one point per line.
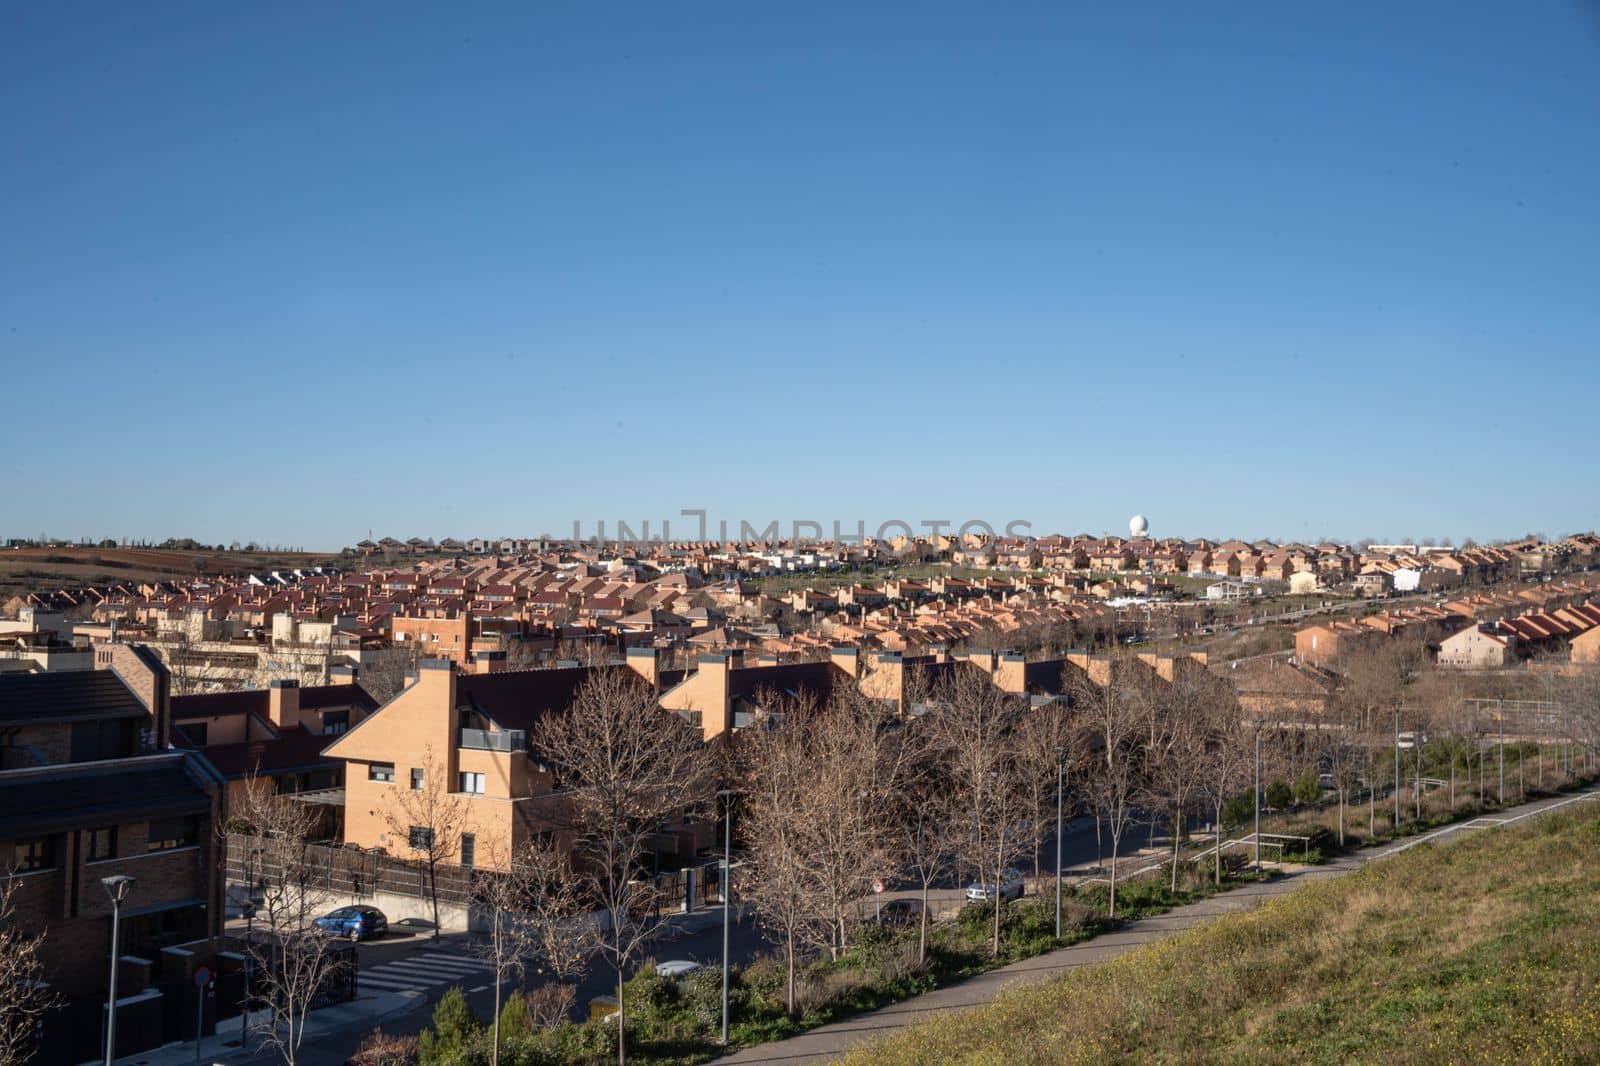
pixel 1482 950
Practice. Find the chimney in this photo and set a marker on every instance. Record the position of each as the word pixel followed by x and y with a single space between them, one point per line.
pixel 342 675
pixel 768 659
pixel 887 679
pixel 1011 674
pixel 846 658
pixel 646 662
pixel 283 703
pixel 716 703
pixel 438 676
pixel 489 662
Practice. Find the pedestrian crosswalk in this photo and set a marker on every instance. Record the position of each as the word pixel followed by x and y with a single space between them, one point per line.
pixel 424 970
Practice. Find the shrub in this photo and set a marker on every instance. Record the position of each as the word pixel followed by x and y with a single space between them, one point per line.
pixel 380 1049
pixel 1307 788
pixel 1278 795
pixel 701 993
pixel 454 1029
pixel 549 1004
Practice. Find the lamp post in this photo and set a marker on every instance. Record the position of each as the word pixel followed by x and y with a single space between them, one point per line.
pixel 726 796
pixel 1061 766
pixel 1397 768
pixel 1500 712
pixel 1259 724
pixel 117 887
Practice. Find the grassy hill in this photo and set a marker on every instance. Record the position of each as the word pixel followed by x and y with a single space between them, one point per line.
pixel 46 569
pixel 1482 950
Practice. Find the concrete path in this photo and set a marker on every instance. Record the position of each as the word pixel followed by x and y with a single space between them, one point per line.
pixel 829 1041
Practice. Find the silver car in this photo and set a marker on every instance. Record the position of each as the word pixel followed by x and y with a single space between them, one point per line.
pixel 1010 888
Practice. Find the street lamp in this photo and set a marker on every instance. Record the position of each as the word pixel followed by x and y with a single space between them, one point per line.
pixel 1061 765
pixel 1397 768
pixel 117 887
pixel 726 796
pixel 1259 724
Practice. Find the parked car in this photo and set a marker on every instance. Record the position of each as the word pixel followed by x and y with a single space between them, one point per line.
pixel 357 923
pixel 900 912
pixel 676 968
pixel 1010 888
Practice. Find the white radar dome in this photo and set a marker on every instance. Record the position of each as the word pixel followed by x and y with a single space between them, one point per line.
pixel 1139 526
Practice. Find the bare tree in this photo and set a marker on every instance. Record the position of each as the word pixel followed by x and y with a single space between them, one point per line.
pixel 24 997
pixel 1178 756
pixel 776 803
pixel 427 821
pixel 857 766
pixel 1115 714
pixel 1227 766
pixel 974 722
pixel 626 769
pixel 1046 738
pixel 531 901
pixel 927 824
pixel 291 960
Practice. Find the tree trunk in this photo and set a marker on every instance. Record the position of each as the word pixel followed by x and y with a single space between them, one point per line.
pixel 494 1050
pixel 1113 900
pixel 1341 817
pixel 788 944
pixel 1177 834
pixel 1217 855
pixel 433 893
pixel 922 929
pixel 622 1038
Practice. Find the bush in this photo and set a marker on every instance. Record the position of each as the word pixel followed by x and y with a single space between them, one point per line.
pixel 1278 795
pixel 455 1029
pixel 701 993
pixel 550 1004
pixel 379 1049
pixel 1307 788
pixel 563 1045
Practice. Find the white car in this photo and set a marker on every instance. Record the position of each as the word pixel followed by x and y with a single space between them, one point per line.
pixel 1010 888
pixel 676 968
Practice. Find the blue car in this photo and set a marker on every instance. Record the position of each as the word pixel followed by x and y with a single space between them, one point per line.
pixel 357 923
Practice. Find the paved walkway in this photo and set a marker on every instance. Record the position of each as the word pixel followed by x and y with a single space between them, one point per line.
pixel 829 1041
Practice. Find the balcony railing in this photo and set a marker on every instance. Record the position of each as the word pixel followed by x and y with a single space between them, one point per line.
pixel 483 740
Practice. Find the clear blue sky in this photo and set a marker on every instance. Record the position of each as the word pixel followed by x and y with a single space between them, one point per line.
pixel 292 272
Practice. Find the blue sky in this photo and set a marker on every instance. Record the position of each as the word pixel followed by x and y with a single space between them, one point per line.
pixel 292 272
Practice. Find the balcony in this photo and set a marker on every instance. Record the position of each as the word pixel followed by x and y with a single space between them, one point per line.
pixel 483 740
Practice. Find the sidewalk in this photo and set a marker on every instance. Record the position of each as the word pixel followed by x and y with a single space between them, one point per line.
pixel 829 1041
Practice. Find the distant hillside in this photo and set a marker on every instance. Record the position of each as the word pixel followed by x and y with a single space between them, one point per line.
pixel 48 569
pixel 1485 950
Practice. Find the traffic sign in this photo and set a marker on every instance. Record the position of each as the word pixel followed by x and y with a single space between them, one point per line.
pixel 202 977
pixel 877 887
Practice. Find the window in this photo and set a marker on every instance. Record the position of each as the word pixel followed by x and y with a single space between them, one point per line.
pixel 103 843
pixel 194 731
pixel 421 837
pixel 473 783
pixel 416 779
pixel 469 849
pixel 335 723
pixel 35 854
pixel 380 771
pixel 169 833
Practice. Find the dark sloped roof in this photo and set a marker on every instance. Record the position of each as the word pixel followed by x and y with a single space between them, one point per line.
pixel 518 699
pixel 254 701
pixel 98 793
pixel 294 750
pixel 815 679
pixel 70 695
